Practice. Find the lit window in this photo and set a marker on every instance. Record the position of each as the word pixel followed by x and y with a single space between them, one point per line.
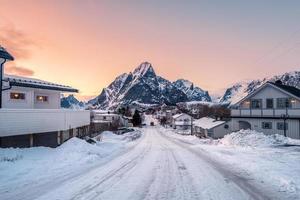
pixel 40 98
pixel 17 95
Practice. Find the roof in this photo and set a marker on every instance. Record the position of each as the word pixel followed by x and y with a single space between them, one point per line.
pixel 179 115
pixel 182 123
pixel 290 89
pixel 207 123
pixel 36 83
pixel 4 54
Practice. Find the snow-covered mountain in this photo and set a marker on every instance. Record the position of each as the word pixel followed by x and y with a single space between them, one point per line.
pixel 192 92
pixel 242 89
pixel 145 87
pixel 71 102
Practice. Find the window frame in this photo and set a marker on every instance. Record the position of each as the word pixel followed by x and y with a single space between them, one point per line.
pixel 282 123
pixel 287 100
pixel 259 103
pixel 39 101
pixel 267 107
pixel 264 127
pixel 19 99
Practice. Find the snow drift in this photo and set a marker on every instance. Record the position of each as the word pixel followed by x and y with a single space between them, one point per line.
pixel 251 138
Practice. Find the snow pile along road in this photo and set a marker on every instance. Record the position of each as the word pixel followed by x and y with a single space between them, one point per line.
pixel 21 169
pixel 251 138
pixel 271 161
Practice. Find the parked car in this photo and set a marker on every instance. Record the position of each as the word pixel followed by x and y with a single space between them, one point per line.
pixel 151 123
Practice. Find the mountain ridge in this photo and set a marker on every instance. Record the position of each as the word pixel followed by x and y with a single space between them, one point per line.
pixel 145 87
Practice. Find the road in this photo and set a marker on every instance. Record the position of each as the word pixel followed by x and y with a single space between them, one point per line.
pixel 158 167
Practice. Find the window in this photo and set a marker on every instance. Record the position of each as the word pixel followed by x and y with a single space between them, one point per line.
pixel 283 103
pixel 266 125
pixel 40 98
pixel 280 126
pixel 256 103
pixel 269 103
pixel 104 117
pixel 17 96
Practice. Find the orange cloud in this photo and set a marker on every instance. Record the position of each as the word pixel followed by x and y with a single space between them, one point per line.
pixel 18 70
pixel 16 42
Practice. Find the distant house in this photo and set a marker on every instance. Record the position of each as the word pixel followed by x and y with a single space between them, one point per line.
pixel 181 121
pixel 31 114
pixel 209 127
pixel 105 120
pixel 273 108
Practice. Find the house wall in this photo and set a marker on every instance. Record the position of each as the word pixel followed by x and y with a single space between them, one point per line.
pixel 21 104
pixel 28 121
pixel 30 99
pixel 270 92
pixel 221 131
pixel 53 99
pixel 256 124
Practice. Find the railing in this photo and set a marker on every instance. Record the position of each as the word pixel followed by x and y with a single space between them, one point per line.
pixel 295 112
pixel 28 121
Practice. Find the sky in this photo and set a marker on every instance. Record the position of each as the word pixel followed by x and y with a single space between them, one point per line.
pixel 87 44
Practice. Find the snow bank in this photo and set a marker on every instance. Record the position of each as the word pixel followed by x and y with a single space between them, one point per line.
pixel 20 168
pixel 251 138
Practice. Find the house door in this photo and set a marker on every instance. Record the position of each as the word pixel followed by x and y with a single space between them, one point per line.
pixel 244 125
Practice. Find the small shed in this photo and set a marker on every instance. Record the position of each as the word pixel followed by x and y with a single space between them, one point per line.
pixel 210 127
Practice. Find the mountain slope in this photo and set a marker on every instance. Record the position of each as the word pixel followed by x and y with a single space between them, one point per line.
pixel 239 90
pixel 71 102
pixel 145 87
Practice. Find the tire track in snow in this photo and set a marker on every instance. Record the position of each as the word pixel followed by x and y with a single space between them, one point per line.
pixel 228 175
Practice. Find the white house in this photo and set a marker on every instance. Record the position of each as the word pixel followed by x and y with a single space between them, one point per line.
pixel 210 127
pixel 31 114
pixel 273 108
pixel 181 121
pixel 105 120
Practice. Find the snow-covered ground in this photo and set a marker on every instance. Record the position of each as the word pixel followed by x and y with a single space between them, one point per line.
pixel 270 161
pixel 158 165
pixel 27 173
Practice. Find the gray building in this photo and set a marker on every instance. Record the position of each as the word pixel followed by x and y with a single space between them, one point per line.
pixel 273 108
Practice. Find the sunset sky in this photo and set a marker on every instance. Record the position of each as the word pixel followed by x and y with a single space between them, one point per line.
pixel 86 44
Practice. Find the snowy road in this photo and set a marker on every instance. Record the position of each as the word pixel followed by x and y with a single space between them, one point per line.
pixel 158 167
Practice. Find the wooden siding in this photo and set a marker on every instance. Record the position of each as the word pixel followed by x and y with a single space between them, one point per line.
pixel 28 121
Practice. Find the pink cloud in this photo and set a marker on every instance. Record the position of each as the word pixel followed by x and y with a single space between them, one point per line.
pixel 16 42
pixel 18 70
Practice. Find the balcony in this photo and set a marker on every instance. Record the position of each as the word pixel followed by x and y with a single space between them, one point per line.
pixel 29 121
pixel 278 113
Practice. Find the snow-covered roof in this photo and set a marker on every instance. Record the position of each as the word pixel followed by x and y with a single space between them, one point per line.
pixel 207 123
pixel 36 83
pixel 182 123
pixel 4 54
pixel 179 115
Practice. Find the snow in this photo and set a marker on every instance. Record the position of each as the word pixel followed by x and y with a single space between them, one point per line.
pixel 251 138
pixel 271 161
pixel 155 163
pixel 21 169
pixel 207 122
pixel 33 81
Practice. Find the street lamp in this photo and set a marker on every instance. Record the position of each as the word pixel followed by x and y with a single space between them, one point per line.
pixel 4 56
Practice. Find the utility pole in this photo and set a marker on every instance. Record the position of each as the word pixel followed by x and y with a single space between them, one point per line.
pixel 191 125
pixel 4 56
